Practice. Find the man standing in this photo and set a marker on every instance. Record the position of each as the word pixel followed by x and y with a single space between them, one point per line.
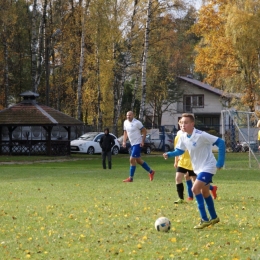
pixel 107 142
pixel 136 133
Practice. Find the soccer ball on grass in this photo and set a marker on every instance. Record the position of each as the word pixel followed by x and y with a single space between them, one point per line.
pixel 162 224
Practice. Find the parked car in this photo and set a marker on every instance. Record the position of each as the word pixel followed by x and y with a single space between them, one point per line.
pixel 158 142
pixel 89 143
pixel 147 148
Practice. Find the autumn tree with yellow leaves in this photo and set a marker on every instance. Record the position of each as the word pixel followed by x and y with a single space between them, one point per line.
pixel 228 54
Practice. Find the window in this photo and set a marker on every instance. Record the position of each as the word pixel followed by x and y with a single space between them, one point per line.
pixel 193 101
pixel 197 101
pixel 206 122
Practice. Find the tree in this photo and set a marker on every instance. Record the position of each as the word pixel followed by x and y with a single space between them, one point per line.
pixel 228 54
pixel 171 54
pixel 8 19
pixel 243 26
pixel 85 7
pixel 144 59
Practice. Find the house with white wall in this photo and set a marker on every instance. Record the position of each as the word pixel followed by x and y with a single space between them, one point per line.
pixel 200 99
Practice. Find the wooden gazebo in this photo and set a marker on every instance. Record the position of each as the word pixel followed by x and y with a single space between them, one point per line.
pixel 35 129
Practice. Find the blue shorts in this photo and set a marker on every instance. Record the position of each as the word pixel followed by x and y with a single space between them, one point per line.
pixel 136 151
pixel 205 177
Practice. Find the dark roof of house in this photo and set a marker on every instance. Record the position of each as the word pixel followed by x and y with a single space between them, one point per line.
pixel 28 112
pixel 205 86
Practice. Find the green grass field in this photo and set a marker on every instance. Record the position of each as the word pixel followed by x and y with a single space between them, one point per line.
pixel 76 210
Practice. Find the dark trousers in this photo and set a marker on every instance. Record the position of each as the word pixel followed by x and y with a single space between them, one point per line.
pixel 108 155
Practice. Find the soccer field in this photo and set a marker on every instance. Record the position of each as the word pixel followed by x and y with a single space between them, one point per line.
pixel 76 210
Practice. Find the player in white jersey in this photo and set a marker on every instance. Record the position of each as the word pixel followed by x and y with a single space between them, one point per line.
pixel 136 133
pixel 199 145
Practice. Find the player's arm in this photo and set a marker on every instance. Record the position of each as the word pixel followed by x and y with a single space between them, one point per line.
pixel 143 133
pixel 124 138
pixel 176 152
pixel 220 143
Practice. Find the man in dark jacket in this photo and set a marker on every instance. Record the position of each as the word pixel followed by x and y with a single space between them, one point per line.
pixel 107 142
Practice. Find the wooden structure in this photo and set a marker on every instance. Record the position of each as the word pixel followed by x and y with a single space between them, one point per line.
pixel 35 129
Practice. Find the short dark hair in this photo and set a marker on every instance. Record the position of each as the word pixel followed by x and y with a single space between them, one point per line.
pixel 190 116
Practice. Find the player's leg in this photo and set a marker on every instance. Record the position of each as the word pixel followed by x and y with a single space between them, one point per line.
pixel 202 185
pixel 132 165
pixel 210 203
pixel 179 186
pixel 189 186
pixel 190 178
pixel 197 187
pixel 143 163
pixel 213 190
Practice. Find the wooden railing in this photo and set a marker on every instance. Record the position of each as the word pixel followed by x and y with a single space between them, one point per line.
pixel 35 147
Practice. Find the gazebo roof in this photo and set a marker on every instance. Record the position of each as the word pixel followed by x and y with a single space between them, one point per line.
pixel 29 113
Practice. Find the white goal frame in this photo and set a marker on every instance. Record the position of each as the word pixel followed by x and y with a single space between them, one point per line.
pixel 232 117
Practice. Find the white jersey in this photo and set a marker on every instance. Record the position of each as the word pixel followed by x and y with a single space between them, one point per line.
pixel 199 145
pixel 133 130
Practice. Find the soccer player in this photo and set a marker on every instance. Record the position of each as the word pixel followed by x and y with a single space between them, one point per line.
pixel 199 145
pixel 136 133
pixel 184 168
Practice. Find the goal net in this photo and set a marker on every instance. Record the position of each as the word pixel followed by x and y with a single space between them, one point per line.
pixel 239 130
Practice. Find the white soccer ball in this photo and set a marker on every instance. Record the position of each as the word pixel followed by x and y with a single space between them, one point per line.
pixel 162 224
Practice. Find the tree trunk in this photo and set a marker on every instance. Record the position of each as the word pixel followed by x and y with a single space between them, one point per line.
pixel 134 93
pixel 154 113
pixel 129 48
pixel 122 73
pixel 47 70
pixel 81 65
pixel 116 88
pixel 119 102
pixel 37 46
pixel 85 7
pixel 34 47
pixel 144 61
pixel 115 93
pixel 99 97
pixel 6 69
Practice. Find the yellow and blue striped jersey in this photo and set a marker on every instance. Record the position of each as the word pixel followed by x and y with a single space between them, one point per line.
pixel 184 159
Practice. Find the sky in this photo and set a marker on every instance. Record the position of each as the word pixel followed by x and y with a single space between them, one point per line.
pixel 196 3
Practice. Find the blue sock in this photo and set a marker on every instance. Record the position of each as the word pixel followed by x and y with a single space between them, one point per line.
pixel 132 171
pixel 201 207
pixel 210 206
pixel 189 186
pixel 146 167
